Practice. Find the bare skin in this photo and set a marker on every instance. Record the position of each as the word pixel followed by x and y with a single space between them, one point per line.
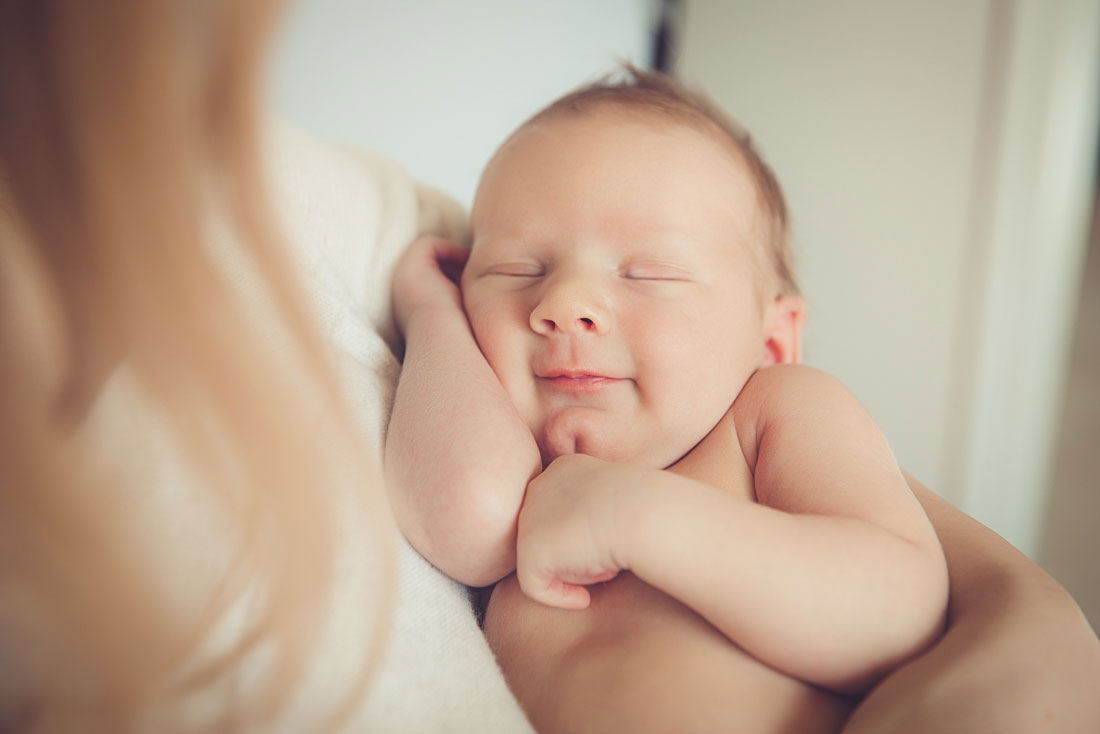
pixel 639 660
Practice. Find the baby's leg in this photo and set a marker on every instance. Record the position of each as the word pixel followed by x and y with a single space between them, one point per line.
pixel 638 660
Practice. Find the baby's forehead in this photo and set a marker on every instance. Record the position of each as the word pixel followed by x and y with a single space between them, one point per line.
pixel 556 127
pixel 556 136
pixel 611 113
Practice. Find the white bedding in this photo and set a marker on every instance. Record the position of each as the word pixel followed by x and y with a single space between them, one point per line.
pixel 348 214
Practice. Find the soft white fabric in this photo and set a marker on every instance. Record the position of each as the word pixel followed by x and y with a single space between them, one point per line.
pixel 348 214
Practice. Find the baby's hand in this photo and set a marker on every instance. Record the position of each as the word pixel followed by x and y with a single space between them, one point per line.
pixel 568 529
pixel 427 275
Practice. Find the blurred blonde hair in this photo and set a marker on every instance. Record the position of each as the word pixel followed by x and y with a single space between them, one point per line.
pixel 120 122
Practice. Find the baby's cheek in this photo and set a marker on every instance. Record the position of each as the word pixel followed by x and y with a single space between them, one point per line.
pixel 507 363
pixel 501 352
pixel 697 395
pixel 480 320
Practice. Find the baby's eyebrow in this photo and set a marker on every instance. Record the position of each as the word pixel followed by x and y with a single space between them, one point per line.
pixel 514 243
pixel 497 236
pixel 665 242
pixel 483 242
pixel 656 227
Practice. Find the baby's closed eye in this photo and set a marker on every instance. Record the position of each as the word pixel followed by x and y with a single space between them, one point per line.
pixel 656 271
pixel 516 270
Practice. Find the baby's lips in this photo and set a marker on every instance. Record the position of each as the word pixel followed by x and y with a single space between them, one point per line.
pixel 579 383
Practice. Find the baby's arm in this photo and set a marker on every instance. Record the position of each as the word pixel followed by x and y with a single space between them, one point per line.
pixel 835 576
pixel 458 456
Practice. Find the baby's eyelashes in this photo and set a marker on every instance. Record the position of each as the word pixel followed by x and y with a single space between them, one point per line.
pixel 661 272
pixel 657 272
pixel 516 270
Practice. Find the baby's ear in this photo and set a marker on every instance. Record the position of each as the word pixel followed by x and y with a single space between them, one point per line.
pixel 783 322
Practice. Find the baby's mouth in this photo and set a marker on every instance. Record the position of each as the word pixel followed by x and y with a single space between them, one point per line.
pixel 578 381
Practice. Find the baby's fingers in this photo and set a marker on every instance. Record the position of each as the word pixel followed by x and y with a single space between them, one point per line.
pixel 450 258
pixel 554 592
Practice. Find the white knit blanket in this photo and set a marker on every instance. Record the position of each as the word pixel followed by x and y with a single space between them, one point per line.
pixel 348 214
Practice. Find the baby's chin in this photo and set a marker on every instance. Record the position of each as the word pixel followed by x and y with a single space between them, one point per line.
pixel 572 433
pixel 565 436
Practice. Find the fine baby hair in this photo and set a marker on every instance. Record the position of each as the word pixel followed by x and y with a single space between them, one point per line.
pixel 655 94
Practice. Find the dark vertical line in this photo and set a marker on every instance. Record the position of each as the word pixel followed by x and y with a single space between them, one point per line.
pixel 666 36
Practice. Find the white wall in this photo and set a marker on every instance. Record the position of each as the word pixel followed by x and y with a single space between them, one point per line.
pixel 438 84
pixel 1040 214
pixel 937 158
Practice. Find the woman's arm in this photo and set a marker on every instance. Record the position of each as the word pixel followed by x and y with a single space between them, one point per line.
pixel 1018 655
pixel 458 456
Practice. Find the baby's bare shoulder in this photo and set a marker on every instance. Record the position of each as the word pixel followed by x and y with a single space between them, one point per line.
pixel 780 393
pixel 787 377
pixel 786 386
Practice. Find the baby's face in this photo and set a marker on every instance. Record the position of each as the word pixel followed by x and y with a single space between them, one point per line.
pixel 612 284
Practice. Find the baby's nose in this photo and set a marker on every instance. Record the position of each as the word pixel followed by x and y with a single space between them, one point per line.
pixel 570 309
pixel 578 325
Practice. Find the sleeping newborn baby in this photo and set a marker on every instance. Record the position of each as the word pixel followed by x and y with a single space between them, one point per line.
pixel 710 536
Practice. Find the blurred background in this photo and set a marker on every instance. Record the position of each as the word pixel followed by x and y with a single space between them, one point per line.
pixel 940 160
